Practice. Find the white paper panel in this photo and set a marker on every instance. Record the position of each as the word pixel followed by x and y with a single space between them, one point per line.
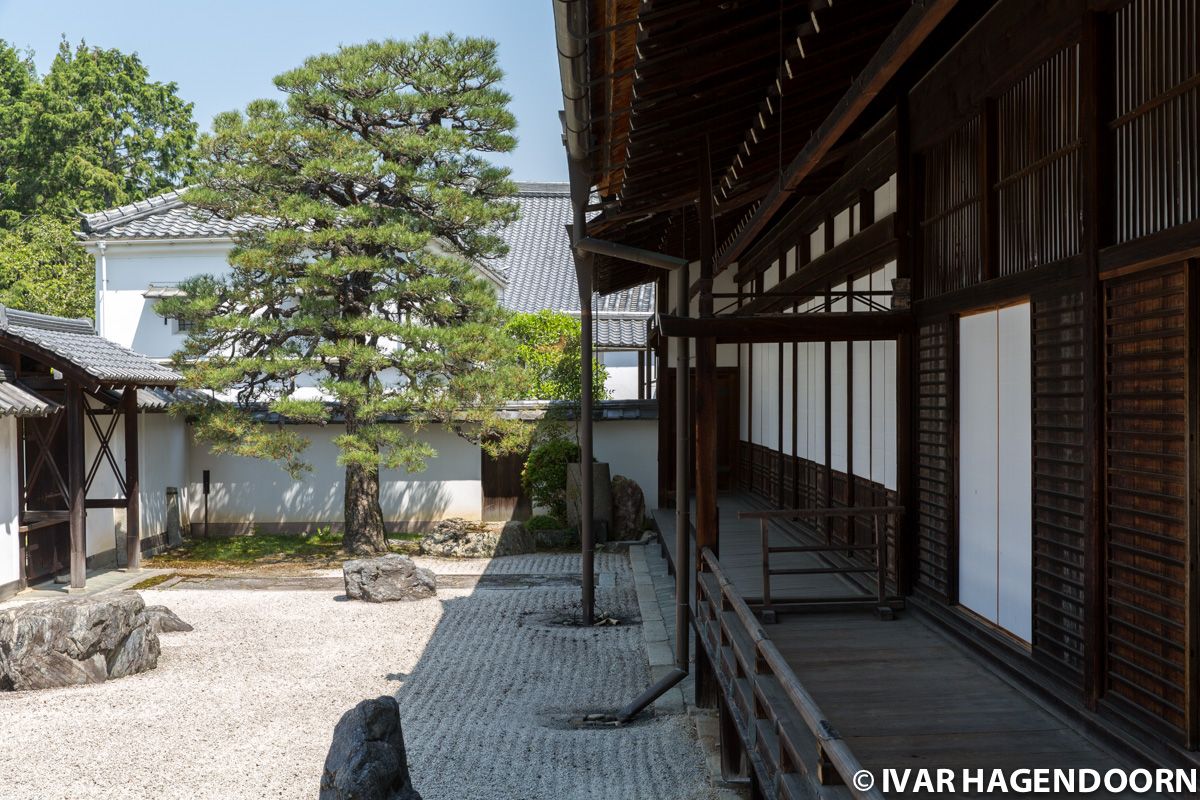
pixel 816 402
pixel 816 242
pixel 756 395
pixel 861 402
pixel 885 198
pixel 838 405
pixel 880 452
pixel 1015 525
pixel 841 227
pixel 744 392
pixel 789 395
pixel 802 399
pixel 770 392
pixel 977 557
pixel 889 479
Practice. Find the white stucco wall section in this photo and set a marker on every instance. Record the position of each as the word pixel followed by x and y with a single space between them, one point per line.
pixel 10 546
pixel 128 318
pixel 248 491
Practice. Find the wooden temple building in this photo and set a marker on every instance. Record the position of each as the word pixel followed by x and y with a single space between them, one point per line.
pixel 927 348
pixel 70 450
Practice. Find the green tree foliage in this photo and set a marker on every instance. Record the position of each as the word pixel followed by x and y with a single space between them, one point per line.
pixel 43 269
pixel 548 348
pixel 545 474
pixel 92 133
pixel 99 133
pixel 376 194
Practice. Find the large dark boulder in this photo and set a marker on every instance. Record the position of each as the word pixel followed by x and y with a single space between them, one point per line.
pixel 164 620
pixel 460 538
pixel 387 578
pixel 75 641
pixel 629 508
pixel 367 759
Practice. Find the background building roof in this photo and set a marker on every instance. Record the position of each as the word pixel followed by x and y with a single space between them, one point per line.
pixel 539 270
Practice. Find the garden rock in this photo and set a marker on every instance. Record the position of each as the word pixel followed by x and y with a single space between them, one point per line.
pixel 601 498
pixel 75 641
pixel 367 759
pixel 164 620
pixel 557 538
pixel 629 508
pixel 460 538
pixel 387 578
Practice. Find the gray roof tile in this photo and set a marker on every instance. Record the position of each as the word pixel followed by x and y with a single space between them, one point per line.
pixel 75 342
pixel 18 401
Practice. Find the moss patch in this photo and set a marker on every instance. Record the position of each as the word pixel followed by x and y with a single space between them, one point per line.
pixel 319 549
pixel 150 583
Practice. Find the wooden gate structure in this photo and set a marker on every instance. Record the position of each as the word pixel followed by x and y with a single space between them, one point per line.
pixel 62 380
pixel 952 251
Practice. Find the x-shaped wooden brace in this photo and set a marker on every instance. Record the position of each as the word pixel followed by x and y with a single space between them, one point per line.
pixel 43 439
pixel 104 439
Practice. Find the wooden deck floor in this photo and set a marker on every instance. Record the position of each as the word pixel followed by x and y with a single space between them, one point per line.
pixel 901 692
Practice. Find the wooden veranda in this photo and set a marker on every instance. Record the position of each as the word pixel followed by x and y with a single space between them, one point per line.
pixel 896 692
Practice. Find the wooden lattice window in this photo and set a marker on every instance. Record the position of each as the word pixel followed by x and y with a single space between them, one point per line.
pixel 1037 161
pixel 951 224
pixel 1157 110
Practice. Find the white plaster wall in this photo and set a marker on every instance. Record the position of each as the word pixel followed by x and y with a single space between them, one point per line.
pixel 630 447
pixel 250 491
pixel 163 461
pixel 124 315
pixel 622 367
pixel 164 444
pixel 10 548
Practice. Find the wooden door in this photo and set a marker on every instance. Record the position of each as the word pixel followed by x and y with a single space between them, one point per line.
pixel 504 497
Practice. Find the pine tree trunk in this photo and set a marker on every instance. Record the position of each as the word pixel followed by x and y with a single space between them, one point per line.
pixel 364 534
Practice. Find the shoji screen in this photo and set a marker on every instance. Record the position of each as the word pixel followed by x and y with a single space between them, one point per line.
pixel 978 462
pixel 995 467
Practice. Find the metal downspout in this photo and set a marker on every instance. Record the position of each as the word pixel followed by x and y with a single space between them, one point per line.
pixel 570 29
pixel 683 569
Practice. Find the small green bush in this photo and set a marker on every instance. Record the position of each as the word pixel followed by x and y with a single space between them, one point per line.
pixel 545 522
pixel 545 474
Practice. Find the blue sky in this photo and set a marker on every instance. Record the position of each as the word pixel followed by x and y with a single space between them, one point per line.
pixel 223 53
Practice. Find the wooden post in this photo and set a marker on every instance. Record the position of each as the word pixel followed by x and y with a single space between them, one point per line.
pixel 133 534
pixel 76 499
pixel 906 210
pixel 707 536
pixel 1096 182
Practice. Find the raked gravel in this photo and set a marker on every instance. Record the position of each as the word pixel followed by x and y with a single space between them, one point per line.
pixel 244 706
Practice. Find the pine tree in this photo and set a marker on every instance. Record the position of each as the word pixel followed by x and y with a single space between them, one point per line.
pixel 374 197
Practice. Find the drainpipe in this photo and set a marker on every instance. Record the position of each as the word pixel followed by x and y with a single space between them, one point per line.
pixel 570 33
pixel 570 26
pixel 103 293
pixel 683 569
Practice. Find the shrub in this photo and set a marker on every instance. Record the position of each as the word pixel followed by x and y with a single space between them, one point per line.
pixel 545 474
pixel 544 522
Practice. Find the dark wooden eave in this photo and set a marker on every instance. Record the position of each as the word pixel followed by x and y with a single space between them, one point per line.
pixel 835 326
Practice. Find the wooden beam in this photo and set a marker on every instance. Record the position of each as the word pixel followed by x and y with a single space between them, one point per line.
pixel 873 246
pixel 133 488
pixel 903 41
pixel 76 495
pixel 834 326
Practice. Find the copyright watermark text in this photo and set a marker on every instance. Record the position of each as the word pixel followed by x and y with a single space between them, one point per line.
pixel 1029 781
